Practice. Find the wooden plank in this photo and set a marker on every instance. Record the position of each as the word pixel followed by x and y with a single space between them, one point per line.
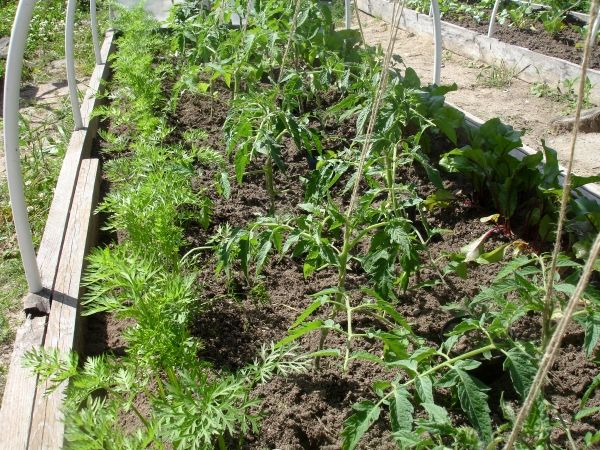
pixel 47 427
pixel 19 392
pixel 79 148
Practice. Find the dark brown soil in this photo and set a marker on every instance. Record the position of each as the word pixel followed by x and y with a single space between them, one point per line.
pixel 563 45
pixel 307 411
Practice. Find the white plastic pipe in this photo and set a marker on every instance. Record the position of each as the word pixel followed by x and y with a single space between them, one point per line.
pixel 94 24
pixel 12 83
pixel 437 37
pixel 111 13
pixel 71 79
pixel 348 14
pixel 493 18
pixel 595 30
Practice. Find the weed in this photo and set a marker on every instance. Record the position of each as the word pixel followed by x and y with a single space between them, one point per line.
pixel 497 76
pixel 563 94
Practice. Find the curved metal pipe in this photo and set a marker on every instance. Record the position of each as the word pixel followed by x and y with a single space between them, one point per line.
pixel 94 25
pixel 493 18
pixel 437 37
pixel 12 83
pixel 69 53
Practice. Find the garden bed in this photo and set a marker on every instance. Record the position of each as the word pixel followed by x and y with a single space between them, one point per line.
pixel 530 65
pixel 567 44
pixel 216 286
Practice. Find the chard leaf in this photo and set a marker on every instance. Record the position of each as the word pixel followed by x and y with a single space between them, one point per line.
pixel 521 368
pixel 401 410
pixel 357 424
pixel 473 401
pixel 577 181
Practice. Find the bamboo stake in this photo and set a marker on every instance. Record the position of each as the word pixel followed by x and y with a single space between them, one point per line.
pixel 548 300
pixel 553 346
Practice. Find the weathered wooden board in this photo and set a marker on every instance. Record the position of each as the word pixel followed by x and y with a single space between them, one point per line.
pixel 79 147
pixel 20 393
pixel 529 65
pixel 47 427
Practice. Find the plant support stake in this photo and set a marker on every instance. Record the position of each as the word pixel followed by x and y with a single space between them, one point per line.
pixel 12 83
pixel 552 347
pixel 493 18
pixel 71 79
pixel 437 35
pixel 94 25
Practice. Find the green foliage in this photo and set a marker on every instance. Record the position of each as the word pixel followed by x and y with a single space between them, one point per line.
pixel 357 424
pixel 198 409
pixel 565 93
pixel 45 42
pixel 153 197
pixel 193 407
pixel 42 142
pixel 136 287
pixel 257 125
pixel 383 237
pixel 509 182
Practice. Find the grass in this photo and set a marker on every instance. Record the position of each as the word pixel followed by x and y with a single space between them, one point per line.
pixel 497 76
pixel 46 40
pixel 43 142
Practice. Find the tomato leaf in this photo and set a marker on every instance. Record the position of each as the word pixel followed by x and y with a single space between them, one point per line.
pixel 358 423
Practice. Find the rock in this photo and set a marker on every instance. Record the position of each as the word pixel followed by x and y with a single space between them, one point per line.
pixel 588 123
pixel 4 47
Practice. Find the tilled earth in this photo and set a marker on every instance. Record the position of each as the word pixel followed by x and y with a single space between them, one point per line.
pixel 308 411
